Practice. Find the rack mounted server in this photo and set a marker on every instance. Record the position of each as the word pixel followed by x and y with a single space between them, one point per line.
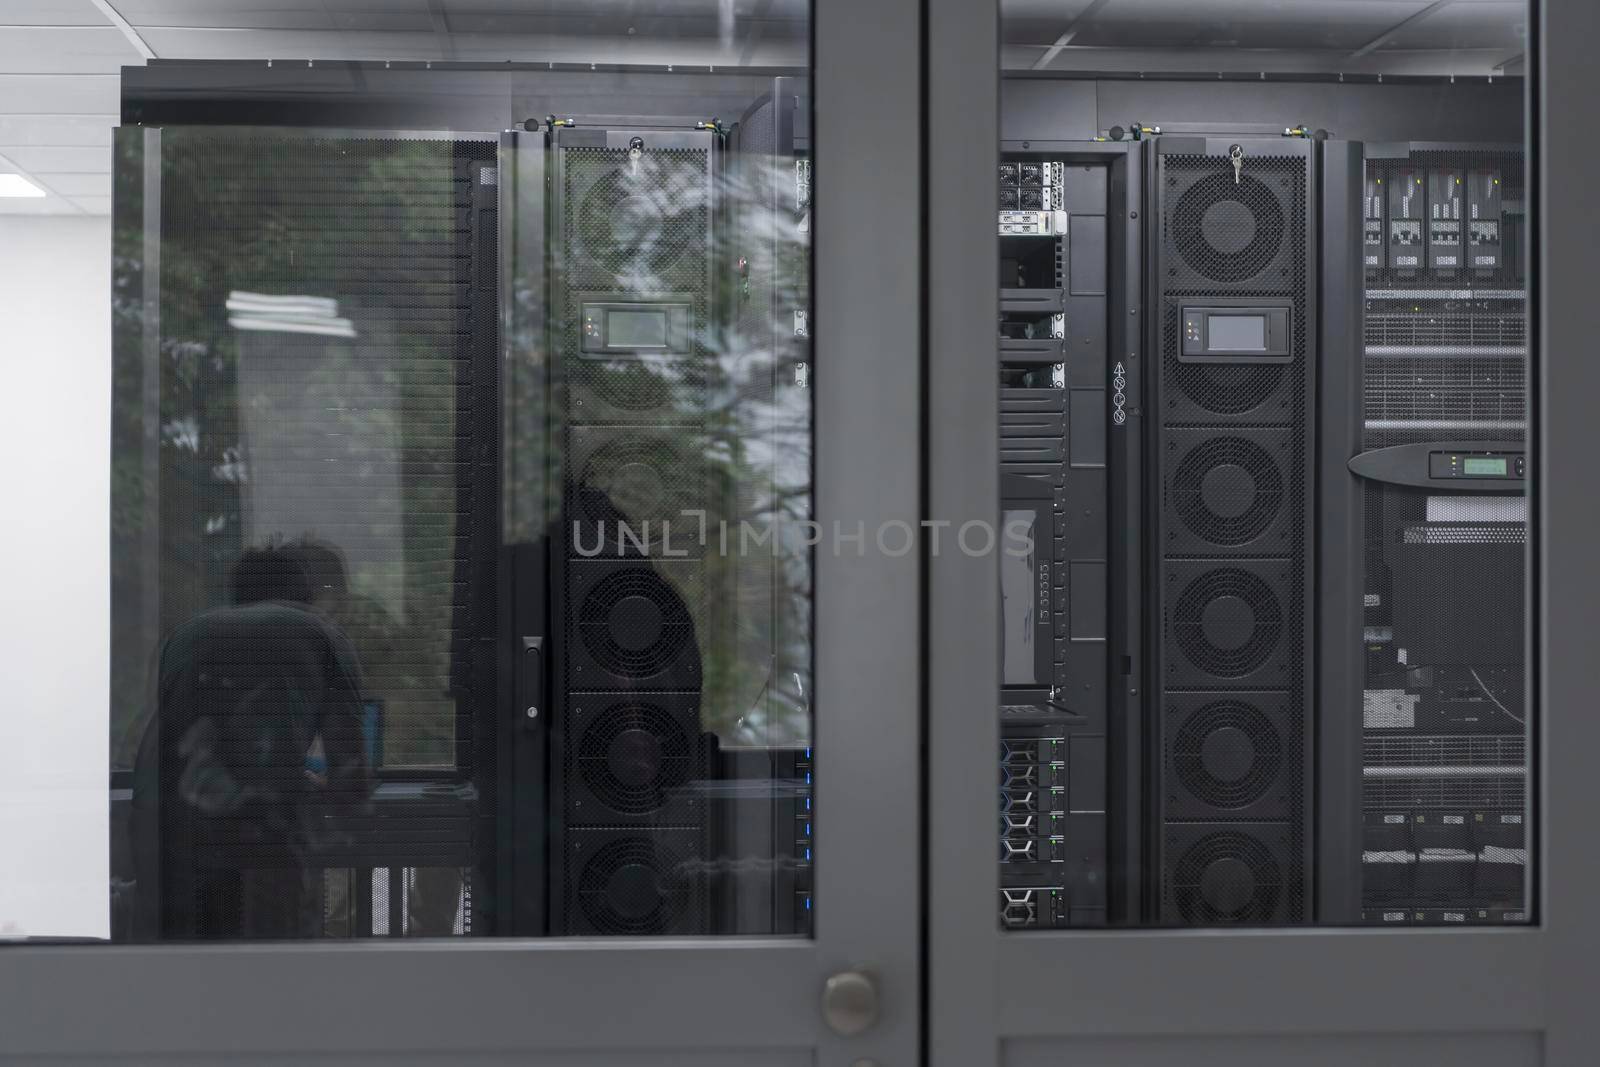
pixel 1216 709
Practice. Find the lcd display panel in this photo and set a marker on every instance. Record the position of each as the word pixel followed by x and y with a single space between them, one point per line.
pixel 1236 333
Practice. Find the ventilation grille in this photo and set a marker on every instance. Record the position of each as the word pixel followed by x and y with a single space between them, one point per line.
pixel 1231 877
pixel 1227 235
pixel 1228 231
pixel 1243 393
pixel 1229 491
pixel 1228 622
pixel 633 490
pixel 1449 331
pixel 632 885
pixel 1229 755
pixel 633 756
pixel 634 623
pixel 637 226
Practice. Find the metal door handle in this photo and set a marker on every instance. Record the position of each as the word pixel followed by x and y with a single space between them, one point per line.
pixel 850 1002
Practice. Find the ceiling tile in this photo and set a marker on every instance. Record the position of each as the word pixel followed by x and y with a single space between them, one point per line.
pixel 290 45
pixel 76 185
pixel 94 205
pixel 49 205
pixel 41 160
pixel 1467 25
pixel 279 14
pixel 1342 25
pixel 67 94
pixel 50 13
pixel 53 50
pixel 89 132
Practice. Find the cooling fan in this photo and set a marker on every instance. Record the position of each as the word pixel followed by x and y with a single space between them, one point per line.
pixel 639 220
pixel 631 884
pixel 1228 490
pixel 1228 233
pixel 1228 622
pixel 634 625
pixel 1229 876
pixel 1228 754
pixel 654 484
pixel 635 756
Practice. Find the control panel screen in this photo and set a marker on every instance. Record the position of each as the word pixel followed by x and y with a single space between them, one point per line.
pixel 636 329
pixel 1484 466
pixel 1236 333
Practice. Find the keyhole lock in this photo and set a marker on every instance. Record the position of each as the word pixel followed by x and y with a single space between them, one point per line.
pixel 1236 157
pixel 635 151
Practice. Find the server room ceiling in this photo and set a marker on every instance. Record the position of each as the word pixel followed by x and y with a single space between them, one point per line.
pixel 59 59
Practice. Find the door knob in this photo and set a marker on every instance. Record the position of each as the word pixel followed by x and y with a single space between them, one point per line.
pixel 850 1002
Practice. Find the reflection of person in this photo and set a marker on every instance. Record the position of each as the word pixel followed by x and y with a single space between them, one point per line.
pixel 257 736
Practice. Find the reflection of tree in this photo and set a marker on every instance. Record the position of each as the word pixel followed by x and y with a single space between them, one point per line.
pixel 358 435
pixel 373 225
pixel 735 407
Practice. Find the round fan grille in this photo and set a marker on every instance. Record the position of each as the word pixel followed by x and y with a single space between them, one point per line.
pixel 641 218
pixel 647 483
pixel 628 887
pixel 1227 490
pixel 633 756
pixel 634 623
pixel 1227 877
pixel 1228 231
pixel 1227 754
pixel 1228 622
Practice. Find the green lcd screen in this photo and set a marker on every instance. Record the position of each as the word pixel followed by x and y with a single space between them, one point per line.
pixel 1484 466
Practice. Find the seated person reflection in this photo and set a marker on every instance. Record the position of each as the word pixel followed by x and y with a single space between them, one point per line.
pixel 257 741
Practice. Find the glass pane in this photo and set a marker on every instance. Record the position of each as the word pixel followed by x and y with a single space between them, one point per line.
pixel 457 578
pixel 1263 363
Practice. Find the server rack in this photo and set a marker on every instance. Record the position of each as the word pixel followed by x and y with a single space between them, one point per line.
pixel 1446 834
pixel 1067 217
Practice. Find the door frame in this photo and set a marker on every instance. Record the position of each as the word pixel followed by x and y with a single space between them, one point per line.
pixel 735 1000
pixel 1040 996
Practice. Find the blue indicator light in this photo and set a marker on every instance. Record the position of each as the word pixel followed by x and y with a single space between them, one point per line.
pixel 808 753
pixel 808 829
pixel 808 855
pixel 808 778
pixel 808 803
pixel 808 903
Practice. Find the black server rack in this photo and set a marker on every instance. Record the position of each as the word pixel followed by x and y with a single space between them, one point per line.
pixel 633 303
pixel 1233 319
pixel 1443 464
pixel 677 296
pixel 1063 225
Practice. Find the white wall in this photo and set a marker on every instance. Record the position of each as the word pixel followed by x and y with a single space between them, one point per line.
pixel 55 440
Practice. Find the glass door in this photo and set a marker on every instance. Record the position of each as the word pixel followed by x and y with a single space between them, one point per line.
pixel 1275 781
pixel 502 642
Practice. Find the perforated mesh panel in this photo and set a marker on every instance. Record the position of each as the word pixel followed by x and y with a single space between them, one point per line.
pixel 1446 362
pixel 1230 492
pixel 1235 875
pixel 634 756
pixel 629 488
pixel 631 884
pixel 1226 756
pixel 634 624
pixel 635 229
pixel 328 385
pixel 1233 444
pixel 1224 235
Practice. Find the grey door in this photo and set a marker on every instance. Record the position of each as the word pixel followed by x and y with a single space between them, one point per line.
pixel 713 983
pixel 1278 994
